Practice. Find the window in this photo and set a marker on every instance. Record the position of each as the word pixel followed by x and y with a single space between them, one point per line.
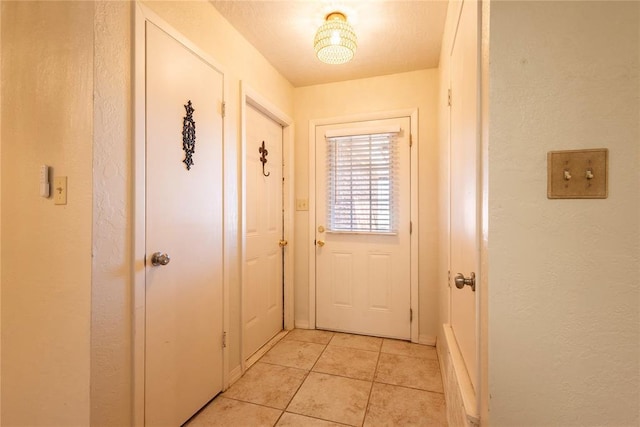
pixel 362 176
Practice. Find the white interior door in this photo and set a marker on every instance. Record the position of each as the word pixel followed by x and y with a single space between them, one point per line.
pixel 183 342
pixel 363 281
pixel 464 183
pixel 263 281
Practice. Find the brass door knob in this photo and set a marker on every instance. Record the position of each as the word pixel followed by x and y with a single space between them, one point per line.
pixel 462 281
pixel 159 258
pixel 283 243
pixel 320 243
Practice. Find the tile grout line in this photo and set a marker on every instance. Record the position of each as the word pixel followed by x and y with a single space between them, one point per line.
pixel 373 381
pixel 302 382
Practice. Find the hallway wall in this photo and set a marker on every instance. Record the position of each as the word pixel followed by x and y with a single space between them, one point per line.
pixel 384 93
pixel 564 282
pixel 47 89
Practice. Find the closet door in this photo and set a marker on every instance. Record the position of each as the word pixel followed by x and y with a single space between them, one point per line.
pixel 183 343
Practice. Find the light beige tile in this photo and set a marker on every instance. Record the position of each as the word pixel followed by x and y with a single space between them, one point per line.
pixel 338 399
pixel 347 362
pixel 399 406
pixel 268 385
pixel 310 335
pixel 360 342
pixel 295 354
pixel 404 348
pixel 233 413
pixel 294 420
pixel 409 372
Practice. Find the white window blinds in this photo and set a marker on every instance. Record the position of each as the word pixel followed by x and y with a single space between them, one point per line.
pixel 362 174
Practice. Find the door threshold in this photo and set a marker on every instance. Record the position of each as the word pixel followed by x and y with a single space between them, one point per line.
pixel 262 350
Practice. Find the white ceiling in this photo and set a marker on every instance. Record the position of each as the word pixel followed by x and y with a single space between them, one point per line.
pixel 394 36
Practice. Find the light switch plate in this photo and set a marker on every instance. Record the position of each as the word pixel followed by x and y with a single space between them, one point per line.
pixel 60 190
pixel 302 204
pixel 577 174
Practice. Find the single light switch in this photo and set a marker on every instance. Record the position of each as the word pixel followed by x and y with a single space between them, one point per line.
pixel 577 174
pixel 302 204
pixel 60 190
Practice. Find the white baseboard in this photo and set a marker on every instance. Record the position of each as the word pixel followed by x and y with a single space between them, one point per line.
pixel 427 340
pixel 264 349
pixel 458 390
pixel 235 375
pixel 302 324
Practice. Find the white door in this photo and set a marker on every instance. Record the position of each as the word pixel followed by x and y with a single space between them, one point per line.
pixel 263 280
pixel 183 343
pixel 363 252
pixel 464 183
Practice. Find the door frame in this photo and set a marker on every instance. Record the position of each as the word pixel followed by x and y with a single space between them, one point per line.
pixel 249 96
pixel 413 115
pixel 142 15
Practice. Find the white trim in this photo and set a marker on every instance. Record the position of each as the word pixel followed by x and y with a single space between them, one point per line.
pixel 249 96
pixel 362 131
pixel 264 349
pixel 464 382
pixel 235 375
pixel 142 15
pixel 427 340
pixel 413 115
pixel 415 260
pixel 302 324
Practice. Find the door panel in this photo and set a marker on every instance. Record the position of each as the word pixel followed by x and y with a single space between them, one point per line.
pixel 363 282
pixel 183 343
pixel 263 280
pixel 464 182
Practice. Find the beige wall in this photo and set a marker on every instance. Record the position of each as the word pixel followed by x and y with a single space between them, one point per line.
pixel 564 274
pixel 385 93
pixel 111 289
pixel 47 90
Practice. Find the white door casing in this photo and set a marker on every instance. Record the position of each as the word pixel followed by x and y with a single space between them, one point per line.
pixel 464 178
pixel 183 357
pixel 363 281
pixel 262 292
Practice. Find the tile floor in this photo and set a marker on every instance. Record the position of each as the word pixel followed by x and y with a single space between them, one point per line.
pixel 319 378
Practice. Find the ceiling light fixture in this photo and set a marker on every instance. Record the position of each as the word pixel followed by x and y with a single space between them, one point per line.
pixel 335 41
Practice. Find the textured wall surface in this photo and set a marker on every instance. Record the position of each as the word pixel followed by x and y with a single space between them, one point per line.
pixel 47 87
pixel 564 274
pixel 111 291
pixel 385 93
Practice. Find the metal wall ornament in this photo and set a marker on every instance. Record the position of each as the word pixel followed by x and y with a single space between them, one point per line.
pixel 188 135
pixel 262 150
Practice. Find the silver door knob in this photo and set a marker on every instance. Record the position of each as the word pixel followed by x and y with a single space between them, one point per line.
pixel 462 281
pixel 159 258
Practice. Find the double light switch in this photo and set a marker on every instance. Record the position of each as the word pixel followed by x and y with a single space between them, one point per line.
pixel 577 174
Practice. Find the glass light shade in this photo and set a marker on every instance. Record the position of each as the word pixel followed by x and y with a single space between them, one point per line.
pixel 335 41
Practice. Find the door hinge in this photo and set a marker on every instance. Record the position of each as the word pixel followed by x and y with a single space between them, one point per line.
pixel 410 140
pixel 411 315
pixel 224 340
pixel 449 278
pixel 410 227
pixel 449 97
pixel 224 109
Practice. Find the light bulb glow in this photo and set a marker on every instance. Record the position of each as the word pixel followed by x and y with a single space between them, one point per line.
pixel 335 41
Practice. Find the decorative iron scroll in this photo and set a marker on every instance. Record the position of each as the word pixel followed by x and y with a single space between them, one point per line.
pixel 263 158
pixel 188 136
